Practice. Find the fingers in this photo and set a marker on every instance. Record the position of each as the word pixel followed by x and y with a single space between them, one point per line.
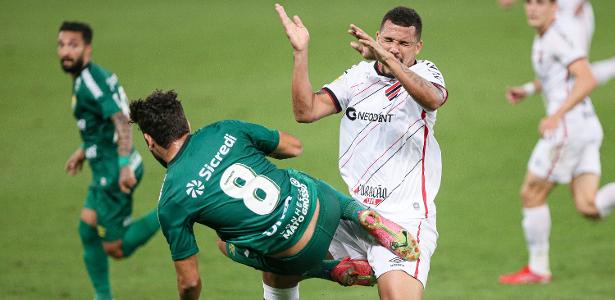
pixel 298 21
pixel 358 32
pixel 282 13
pixel 126 184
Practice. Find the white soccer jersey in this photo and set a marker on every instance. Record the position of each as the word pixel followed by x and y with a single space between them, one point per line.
pixel 552 53
pixel 383 156
pixel 581 14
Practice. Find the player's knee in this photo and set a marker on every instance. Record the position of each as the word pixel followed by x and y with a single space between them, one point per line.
pixel 222 247
pixel 87 233
pixel 588 210
pixel 280 281
pixel 88 216
pixel 114 249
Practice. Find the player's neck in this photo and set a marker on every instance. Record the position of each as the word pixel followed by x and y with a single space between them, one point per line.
pixel 174 148
pixel 542 29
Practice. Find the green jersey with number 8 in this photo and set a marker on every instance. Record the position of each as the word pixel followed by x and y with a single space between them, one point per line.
pixel 222 179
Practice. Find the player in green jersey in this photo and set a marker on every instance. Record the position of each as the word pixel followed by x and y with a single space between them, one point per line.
pixel 100 106
pixel 280 221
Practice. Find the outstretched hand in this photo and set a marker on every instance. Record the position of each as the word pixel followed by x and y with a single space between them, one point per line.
pixel 368 47
pixel 296 32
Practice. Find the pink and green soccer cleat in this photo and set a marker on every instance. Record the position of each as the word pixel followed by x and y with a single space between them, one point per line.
pixel 390 235
pixel 353 272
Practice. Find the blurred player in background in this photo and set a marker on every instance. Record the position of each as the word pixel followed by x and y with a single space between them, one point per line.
pixel 100 106
pixel 275 220
pixel 388 157
pixel 580 15
pixel 568 151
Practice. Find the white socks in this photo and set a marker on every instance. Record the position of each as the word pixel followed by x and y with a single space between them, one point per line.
pixel 537 227
pixel 604 70
pixel 605 199
pixel 271 293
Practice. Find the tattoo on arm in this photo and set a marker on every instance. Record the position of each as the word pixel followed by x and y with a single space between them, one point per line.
pixel 420 80
pixel 124 133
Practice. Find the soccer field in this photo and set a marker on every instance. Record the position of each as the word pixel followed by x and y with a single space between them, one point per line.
pixel 231 60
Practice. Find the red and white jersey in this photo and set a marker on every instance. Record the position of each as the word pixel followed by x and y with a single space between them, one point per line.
pixel 552 53
pixel 388 155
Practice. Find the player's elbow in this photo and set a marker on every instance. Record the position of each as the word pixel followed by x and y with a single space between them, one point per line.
pixel 303 117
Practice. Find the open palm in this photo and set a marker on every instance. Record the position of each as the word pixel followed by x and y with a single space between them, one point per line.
pixel 298 35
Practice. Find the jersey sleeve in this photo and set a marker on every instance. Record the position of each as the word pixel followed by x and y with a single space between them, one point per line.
pixel 263 138
pixel 339 90
pixel 430 72
pixel 177 228
pixel 566 49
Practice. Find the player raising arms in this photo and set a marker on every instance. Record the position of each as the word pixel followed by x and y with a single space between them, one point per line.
pixel 568 151
pixel 100 107
pixel 580 15
pixel 388 155
pixel 278 221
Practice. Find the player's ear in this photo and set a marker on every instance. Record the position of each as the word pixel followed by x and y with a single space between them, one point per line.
pixel 149 140
pixel 419 47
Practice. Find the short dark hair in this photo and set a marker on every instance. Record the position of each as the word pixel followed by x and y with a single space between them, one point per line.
pixel 404 16
pixel 160 115
pixel 83 28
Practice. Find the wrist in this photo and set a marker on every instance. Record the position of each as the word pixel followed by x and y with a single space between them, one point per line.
pixel 123 160
pixel 529 88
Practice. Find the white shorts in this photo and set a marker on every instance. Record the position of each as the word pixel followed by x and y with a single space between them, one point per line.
pixel 351 240
pixel 563 158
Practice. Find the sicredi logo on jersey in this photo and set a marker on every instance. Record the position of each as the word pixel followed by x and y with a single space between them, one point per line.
pixel 353 114
pixel 209 168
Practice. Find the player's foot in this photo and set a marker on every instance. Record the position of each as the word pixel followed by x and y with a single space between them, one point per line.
pixel 524 276
pixel 390 235
pixel 353 272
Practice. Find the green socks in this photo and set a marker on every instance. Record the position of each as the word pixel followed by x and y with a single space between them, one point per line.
pixel 96 261
pixel 322 271
pixel 350 209
pixel 140 232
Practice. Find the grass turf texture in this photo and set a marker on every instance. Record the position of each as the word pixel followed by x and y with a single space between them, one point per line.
pixel 232 60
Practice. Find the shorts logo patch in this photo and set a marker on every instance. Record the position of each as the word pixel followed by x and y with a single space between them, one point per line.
pixel 396 261
pixel 194 188
pixel 101 231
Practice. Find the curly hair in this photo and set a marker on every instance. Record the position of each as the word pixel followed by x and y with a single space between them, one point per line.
pixel 160 115
pixel 83 28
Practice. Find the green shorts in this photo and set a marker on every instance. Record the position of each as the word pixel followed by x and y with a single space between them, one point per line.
pixel 113 208
pixel 314 252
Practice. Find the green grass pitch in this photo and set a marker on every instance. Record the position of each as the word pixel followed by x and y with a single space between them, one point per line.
pixel 231 59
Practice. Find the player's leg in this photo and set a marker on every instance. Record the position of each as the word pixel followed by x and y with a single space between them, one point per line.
pixel 604 70
pixel 94 257
pixel 399 279
pixel 584 188
pixel 123 236
pixel 591 201
pixel 536 225
pixel 387 233
pixel 397 285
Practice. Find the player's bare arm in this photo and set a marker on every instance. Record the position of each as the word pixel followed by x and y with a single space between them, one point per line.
pixel 188 279
pixel 307 105
pixel 421 90
pixel 584 83
pixel 517 94
pixel 124 145
pixel 288 146
pixel 74 164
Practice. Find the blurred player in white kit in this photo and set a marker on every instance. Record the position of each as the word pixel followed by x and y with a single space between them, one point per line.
pixel 580 13
pixel 568 151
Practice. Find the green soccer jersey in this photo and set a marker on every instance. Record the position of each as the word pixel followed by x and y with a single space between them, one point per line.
pixel 97 95
pixel 221 178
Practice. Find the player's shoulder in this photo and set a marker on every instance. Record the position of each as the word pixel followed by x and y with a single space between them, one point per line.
pixel 97 80
pixel 564 32
pixel 428 70
pixel 361 67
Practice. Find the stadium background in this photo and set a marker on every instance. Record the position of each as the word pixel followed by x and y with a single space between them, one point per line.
pixel 232 60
